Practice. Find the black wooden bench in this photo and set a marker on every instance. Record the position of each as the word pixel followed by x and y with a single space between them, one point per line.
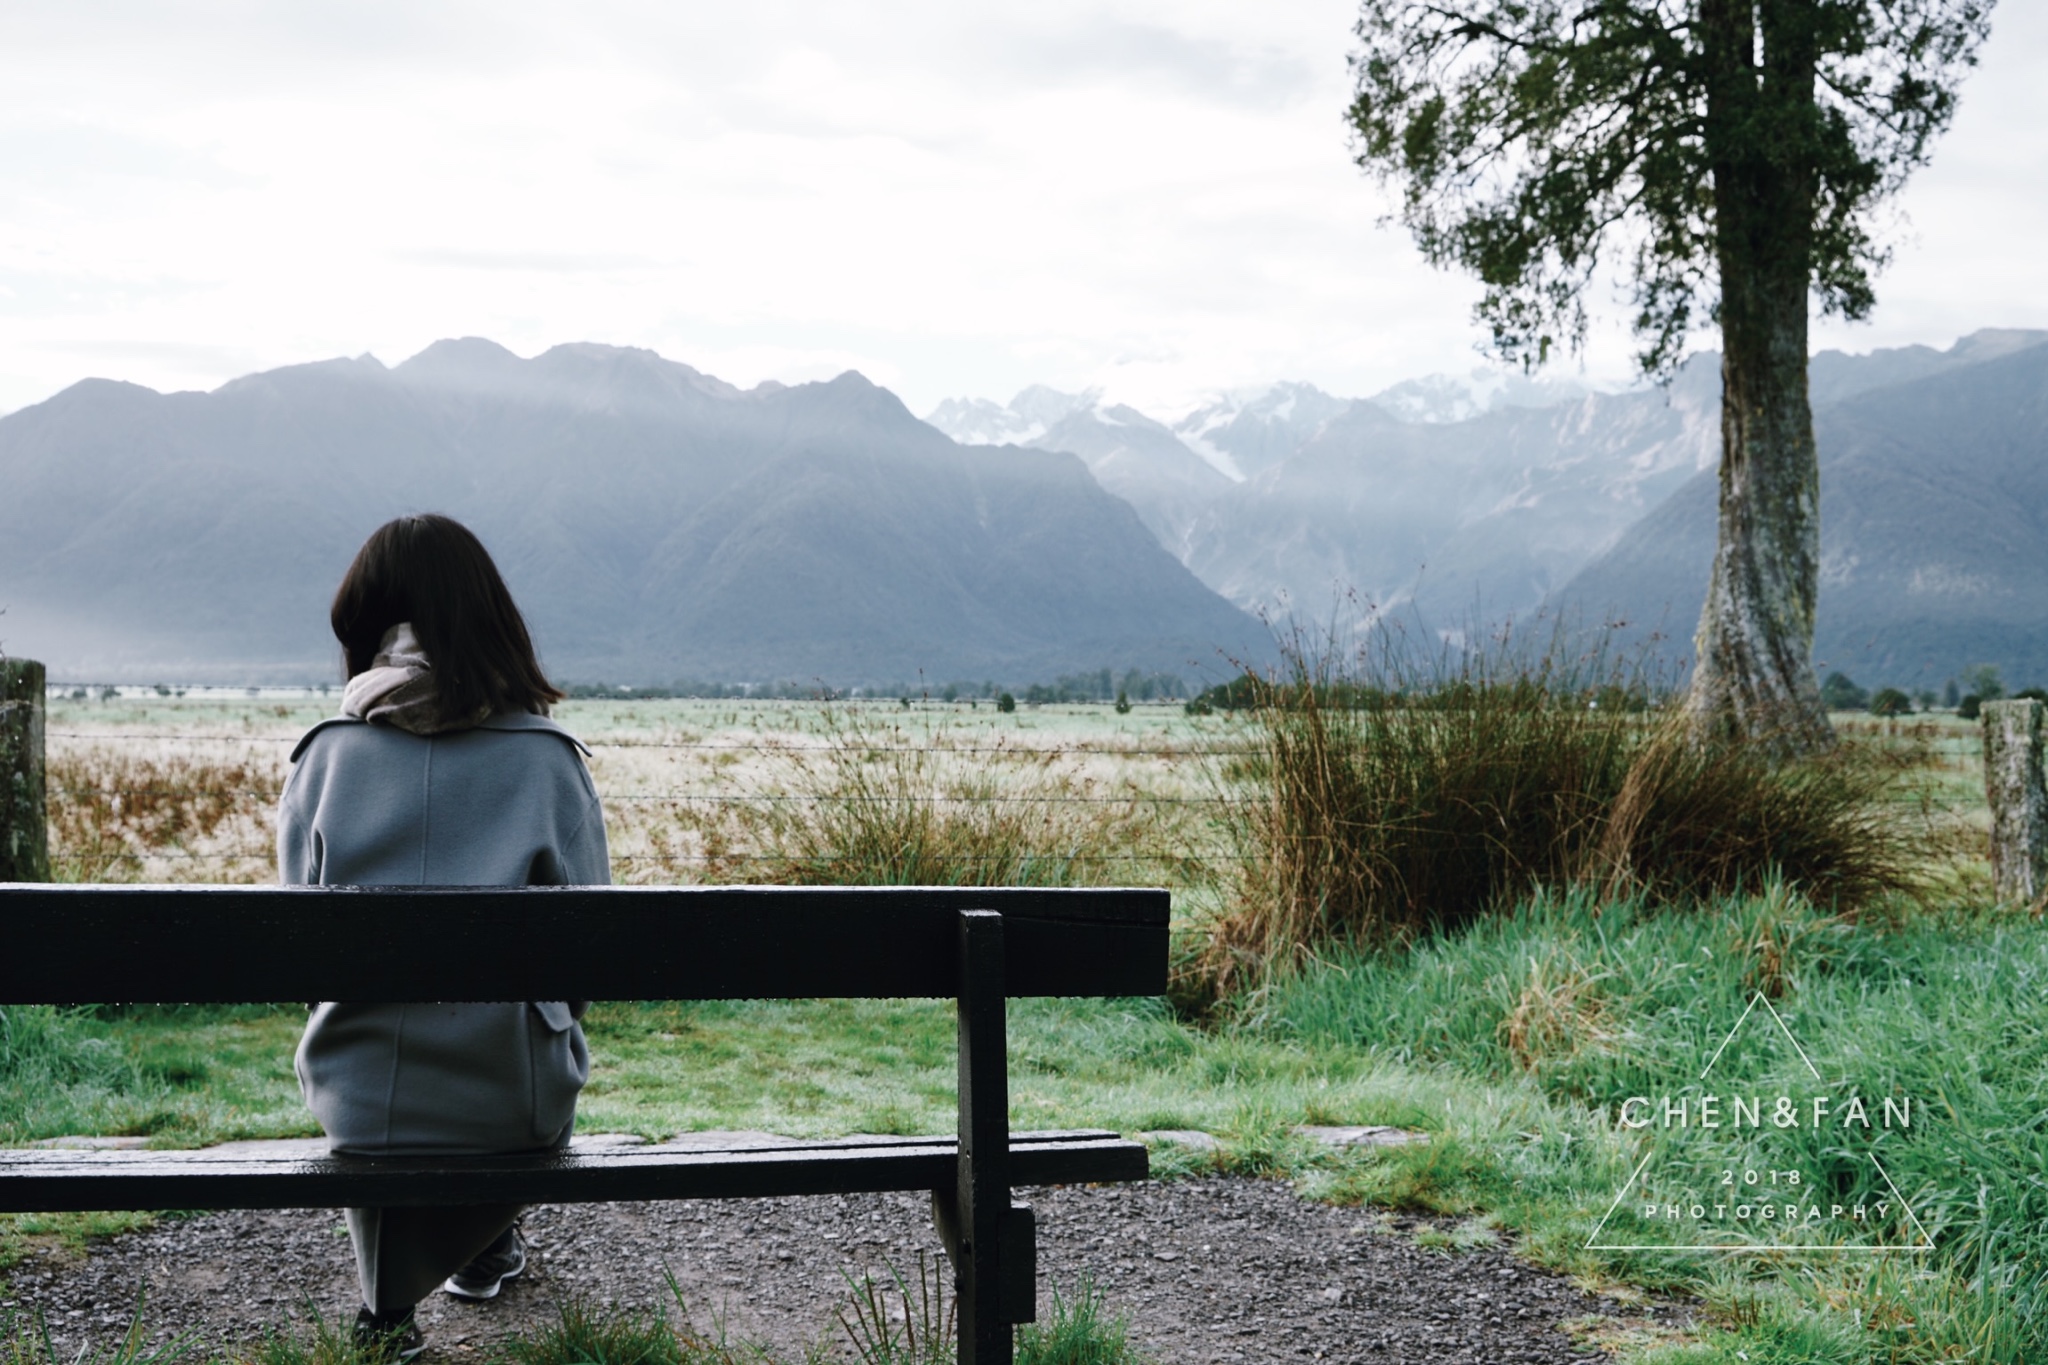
pixel 207 944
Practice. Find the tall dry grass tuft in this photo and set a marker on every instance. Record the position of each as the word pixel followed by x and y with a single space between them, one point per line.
pixel 874 806
pixel 1376 804
pixel 118 815
pixel 1560 1012
pixel 1371 808
pixel 1692 821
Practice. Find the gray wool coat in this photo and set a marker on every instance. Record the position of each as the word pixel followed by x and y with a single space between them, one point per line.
pixel 508 803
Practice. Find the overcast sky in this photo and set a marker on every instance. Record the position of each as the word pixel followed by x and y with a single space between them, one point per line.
pixel 1151 197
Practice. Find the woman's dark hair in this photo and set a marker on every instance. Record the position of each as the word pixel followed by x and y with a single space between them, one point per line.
pixel 431 570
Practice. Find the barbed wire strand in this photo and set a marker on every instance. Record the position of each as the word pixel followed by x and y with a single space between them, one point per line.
pixel 789 749
pixel 729 799
pixel 707 859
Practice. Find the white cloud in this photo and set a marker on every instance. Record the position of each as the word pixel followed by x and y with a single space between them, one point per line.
pixel 1969 252
pixel 1151 197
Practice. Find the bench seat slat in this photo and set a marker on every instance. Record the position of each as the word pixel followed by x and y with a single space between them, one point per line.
pixel 86 944
pixel 50 1181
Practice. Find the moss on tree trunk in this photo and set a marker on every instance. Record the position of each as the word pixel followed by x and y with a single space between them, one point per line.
pixel 24 823
pixel 1753 673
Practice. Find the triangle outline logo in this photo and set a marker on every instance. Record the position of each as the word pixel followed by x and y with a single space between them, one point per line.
pixel 1922 1241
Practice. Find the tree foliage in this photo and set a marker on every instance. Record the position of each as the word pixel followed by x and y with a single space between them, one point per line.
pixel 1536 143
pixel 1840 693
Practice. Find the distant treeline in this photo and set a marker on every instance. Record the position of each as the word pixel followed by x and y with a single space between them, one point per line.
pixel 1249 692
pixel 1103 684
pixel 1963 695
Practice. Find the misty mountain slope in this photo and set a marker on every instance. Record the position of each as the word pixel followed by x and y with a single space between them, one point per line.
pixel 1013 555
pixel 1451 519
pixel 1033 412
pixel 1246 434
pixel 1934 532
pixel 116 492
pixel 1460 398
pixel 1131 455
pixel 1832 376
pixel 654 522
pixel 1480 496
pixel 1357 509
pixel 1585 472
pixel 1142 462
pixel 1453 500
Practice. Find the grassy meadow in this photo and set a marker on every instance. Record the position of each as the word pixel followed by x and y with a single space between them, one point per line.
pixel 168 789
pixel 1516 1039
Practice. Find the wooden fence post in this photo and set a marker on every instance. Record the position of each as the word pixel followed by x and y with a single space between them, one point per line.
pixel 2014 788
pixel 24 809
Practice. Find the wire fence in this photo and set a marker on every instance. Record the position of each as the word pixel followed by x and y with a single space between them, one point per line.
pixel 178 804
pixel 1016 750
pixel 727 799
pixel 953 804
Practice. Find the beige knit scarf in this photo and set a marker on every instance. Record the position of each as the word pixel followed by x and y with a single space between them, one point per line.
pixel 398 689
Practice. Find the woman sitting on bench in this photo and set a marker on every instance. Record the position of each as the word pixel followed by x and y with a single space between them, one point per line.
pixel 442 770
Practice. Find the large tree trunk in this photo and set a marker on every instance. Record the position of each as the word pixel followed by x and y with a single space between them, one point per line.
pixel 1753 673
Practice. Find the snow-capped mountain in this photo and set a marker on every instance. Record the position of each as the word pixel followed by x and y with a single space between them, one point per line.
pixel 1450 501
pixel 1284 497
pixel 1032 413
pixel 1249 431
pixel 1437 398
pixel 1131 455
pixel 1446 520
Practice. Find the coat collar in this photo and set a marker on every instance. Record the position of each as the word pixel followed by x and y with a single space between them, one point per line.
pixel 503 720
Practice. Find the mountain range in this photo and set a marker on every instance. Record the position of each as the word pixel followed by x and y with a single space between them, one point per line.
pixel 1446 496
pixel 660 524
pixel 654 522
pixel 1448 504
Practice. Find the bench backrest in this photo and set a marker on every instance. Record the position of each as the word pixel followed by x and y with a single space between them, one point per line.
pixel 199 944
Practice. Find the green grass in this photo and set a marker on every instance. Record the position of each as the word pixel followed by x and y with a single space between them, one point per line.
pixel 1079 1330
pixel 663 1335
pixel 1511 1044
pixel 817 1068
pixel 1376 803
pixel 1593 1003
pixel 182 1076
pixel 25 1340
pixel 919 1330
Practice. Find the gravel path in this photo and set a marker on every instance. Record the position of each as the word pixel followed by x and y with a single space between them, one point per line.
pixel 1207 1270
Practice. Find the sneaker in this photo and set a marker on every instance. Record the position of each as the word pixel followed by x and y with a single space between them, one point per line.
pixel 392 1338
pixel 483 1277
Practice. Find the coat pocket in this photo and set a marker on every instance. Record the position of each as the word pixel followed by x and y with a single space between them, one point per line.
pixel 557 1013
pixel 561 1064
